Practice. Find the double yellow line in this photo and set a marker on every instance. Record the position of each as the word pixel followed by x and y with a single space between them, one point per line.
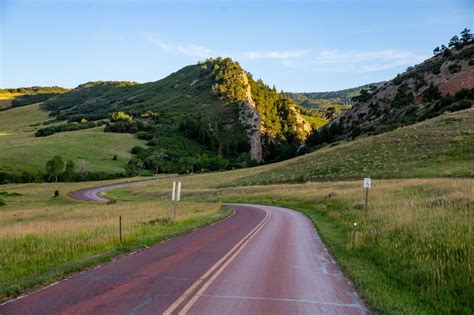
pixel 201 285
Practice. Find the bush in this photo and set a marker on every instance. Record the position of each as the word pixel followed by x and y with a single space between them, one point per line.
pixel 120 116
pixel 137 149
pixel 143 135
pixel 121 127
pixel 153 142
pixel 432 93
pixel 454 68
pixel 2 203
pixel 44 132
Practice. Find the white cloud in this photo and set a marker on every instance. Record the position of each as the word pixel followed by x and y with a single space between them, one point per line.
pixel 204 52
pixel 363 61
pixel 276 54
pixel 331 60
pixel 188 50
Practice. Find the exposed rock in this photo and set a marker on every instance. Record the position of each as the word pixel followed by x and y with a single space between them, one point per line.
pixel 250 118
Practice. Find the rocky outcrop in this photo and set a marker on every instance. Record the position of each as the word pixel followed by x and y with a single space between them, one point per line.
pixel 250 118
pixel 449 74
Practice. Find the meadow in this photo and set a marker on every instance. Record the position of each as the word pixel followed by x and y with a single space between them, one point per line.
pixel 411 252
pixel 439 147
pixel 22 151
pixel 44 238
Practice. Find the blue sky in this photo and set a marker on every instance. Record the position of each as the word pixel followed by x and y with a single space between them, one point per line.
pixel 294 45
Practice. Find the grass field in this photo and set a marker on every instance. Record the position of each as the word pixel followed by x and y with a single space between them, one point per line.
pixel 45 238
pixel 439 147
pixel 22 151
pixel 412 252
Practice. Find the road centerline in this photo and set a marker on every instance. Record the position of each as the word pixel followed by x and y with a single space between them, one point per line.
pixel 223 262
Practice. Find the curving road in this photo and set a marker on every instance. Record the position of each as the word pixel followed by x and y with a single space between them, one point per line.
pixel 92 194
pixel 261 260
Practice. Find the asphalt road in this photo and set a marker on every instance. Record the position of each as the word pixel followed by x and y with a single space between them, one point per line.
pixel 261 260
pixel 91 194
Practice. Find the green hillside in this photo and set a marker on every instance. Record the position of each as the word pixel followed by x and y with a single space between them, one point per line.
pixel 323 100
pixel 215 106
pixel 443 83
pixel 439 147
pixel 28 95
pixel 21 151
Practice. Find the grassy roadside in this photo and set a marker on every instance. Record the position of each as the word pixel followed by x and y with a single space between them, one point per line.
pixel 438 147
pixel 412 252
pixel 43 239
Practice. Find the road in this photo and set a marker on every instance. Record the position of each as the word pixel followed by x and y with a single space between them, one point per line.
pixel 261 260
pixel 92 194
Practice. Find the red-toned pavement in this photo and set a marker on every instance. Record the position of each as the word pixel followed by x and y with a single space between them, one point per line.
pixel 261 260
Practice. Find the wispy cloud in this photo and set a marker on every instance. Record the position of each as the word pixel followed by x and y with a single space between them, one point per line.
pixel 358 61
pixel 276 54
pixel 204 52
pixel 335 60
pixel 187 50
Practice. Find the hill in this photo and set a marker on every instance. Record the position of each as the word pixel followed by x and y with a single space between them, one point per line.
pixel 439 84
pixel 23 154
pixel 323 100
pixel 438 147
pixel 208 116
pixel 319 108
pixel 215 103
pixel 27 95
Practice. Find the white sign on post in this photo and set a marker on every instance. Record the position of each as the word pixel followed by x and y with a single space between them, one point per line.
pixel 176 196
pixel 367 182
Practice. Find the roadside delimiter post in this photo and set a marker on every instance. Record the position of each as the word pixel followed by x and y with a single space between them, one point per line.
pixel 175 197
pixel 367 184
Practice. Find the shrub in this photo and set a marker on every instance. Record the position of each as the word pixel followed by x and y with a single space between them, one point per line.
pixel 137 149
pixel 143 135
pixel 44 132
pixel 121 127
pixel 153 142
pixel 120 116
pixel 432 93
pixel 454 68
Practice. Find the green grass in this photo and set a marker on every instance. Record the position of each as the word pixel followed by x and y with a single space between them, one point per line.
pixel 439 147
pixel 22 151
pixel 44 238
pixel 411 253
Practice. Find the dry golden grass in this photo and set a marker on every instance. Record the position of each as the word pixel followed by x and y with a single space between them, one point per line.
pixel 43 238
pixel 412 251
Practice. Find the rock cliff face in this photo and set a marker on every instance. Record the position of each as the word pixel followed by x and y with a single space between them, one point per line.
pixel 405 99
pixel 250 118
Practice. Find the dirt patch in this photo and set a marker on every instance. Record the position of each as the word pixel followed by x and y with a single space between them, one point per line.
pixel 464 80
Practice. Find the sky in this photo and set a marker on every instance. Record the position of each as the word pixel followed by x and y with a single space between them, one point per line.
pixel 298 46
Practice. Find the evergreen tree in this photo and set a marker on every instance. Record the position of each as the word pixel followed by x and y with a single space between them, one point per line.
pixel 466 36
pixel 454 42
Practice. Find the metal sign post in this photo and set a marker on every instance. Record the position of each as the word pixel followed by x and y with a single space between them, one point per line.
pixel 175 197
pixel 367 185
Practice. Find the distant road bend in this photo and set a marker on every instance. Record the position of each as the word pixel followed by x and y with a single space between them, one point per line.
pixel 261 260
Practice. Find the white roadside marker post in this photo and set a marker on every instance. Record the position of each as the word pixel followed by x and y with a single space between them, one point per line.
pixel 367 185
pixel 175 197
